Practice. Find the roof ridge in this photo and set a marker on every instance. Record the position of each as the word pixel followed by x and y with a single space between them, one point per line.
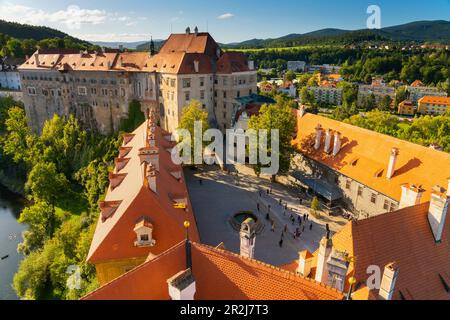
pixel 146 263
pixel 287 274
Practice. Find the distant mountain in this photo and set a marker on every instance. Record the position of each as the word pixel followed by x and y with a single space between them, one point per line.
pixel 25 31
pixel 421 31
pixel 146 45
pixel 116 45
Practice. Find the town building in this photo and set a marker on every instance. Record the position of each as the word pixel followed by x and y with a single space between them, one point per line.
pixel 324 68
pixel 406 250
pixel 288 88
pixel 97 87
pixel 9 76
pixel 406 108
pixel 327 94
pixel 379 92
pixel 296 66
pixel 433 105
pixel 362 170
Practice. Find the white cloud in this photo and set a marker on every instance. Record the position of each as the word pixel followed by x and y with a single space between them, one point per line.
pixel 73 17
pixel 225 16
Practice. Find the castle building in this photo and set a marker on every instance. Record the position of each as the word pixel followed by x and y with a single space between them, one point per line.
pixel 362 170
pixel 97 87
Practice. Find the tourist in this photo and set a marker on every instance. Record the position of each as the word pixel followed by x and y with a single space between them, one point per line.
pixel 281 243
pixel 285 206
pixel 273 226
pixel 310 226
pixel 267 217
pixel 200 181
pixel 257 206
pixel 281 202
pixel 303 229
pixel 285 228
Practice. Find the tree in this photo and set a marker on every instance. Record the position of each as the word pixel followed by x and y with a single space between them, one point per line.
pixel 135 117
pixel 45 183
pixel 16 142
pixel 277 117
pixel 307 96
pixel 193 113
pixel 385 103
pixel 315 207
pixel 40 218
pixel 94 179
pixel 401 94
pixel 290 76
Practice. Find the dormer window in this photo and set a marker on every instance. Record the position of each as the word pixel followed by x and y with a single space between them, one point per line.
pixel 144 233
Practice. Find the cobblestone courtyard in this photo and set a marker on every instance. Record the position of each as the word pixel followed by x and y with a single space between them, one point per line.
pixel 221 195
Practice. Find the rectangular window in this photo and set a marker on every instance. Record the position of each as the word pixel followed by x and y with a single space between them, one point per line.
pixel 187 96
pixel 186 83
pixel 393 207
pixel 202 94
pixel 82 91
pixel 386 205
pixel 202 82
pixel 348 184
pixel 144 237
pixel 373 198
pixel 360 191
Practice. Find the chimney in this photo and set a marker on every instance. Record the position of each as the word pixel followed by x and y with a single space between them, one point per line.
pixel 392 161
pixel 151 177
pixel 318 136
pixel 248 235
pixel 188 30
pixel 304 263
pixel 196 66
pixel 411 195
pixel 36 58
pixel 182 286
pixel 196 31
pixel 251 65
pixel 388 281
pixel 328 135
pixel 437 213
pixel 121 62
pixel 337 267
pixel 337 143
pixel 325 248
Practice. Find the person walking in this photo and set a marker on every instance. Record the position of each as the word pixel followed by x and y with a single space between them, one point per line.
pixel 303 229
pixel 257 206
pixel 200 181
pixel 310 227
pixel 281 202
pixel 281 243
pixel 267 216
pixel 273 226
pixel 285 228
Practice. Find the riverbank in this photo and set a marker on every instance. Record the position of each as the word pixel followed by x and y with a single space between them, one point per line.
pixel 11 205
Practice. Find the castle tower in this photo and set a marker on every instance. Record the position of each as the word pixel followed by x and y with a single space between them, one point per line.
pixel 248 235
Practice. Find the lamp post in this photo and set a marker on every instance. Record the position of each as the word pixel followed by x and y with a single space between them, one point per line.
pixel 351 281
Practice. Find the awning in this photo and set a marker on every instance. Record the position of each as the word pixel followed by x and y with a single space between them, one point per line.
pixel 321 187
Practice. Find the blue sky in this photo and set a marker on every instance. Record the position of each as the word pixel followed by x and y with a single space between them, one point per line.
pixel 227 20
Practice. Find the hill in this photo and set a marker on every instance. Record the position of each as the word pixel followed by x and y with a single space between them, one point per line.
pixel 25 31
pixel 117 45
pixel 420 31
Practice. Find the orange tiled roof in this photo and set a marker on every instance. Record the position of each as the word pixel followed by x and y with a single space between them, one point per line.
pixel 219 275
pixel 435 100
pixel 403 236
pixel 417 83
pixel 114 237
pixel 365 155
pixel 177 56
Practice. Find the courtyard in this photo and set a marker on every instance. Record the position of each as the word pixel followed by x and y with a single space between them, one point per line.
pixel 217 195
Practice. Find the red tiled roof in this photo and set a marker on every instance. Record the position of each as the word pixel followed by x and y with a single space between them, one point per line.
pixel 231 62
pixel 219 275
pixel 114 238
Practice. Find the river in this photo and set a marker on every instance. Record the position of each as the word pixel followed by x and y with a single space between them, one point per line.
pixel 10 236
